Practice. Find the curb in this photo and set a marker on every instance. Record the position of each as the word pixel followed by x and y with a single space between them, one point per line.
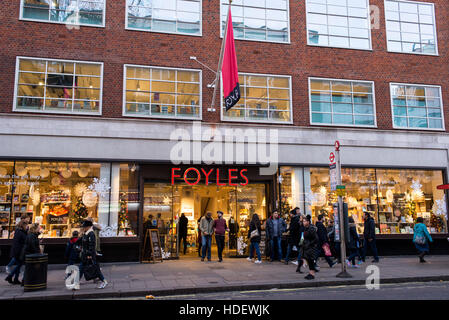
pixel 213 289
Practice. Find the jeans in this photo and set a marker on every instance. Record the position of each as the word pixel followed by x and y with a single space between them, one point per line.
pixel 289 250
pixel 81 268
pixel 12 262
pixel 372 245
pixel 352 254
pixel 220 245
pixel 254 245
pixel 183 237
pixel 206 246
pixel 277 241
pixel 16 271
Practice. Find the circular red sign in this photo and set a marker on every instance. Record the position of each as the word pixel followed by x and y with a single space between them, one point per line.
pixel 337 145
pixel 332 157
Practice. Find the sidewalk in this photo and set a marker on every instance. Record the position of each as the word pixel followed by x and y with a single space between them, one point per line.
pixel 188 275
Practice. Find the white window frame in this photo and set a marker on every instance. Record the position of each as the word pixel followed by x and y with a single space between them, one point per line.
pixel 414 128
pixel 257 40
pixel 177 117
pixel 225 119
pixel 69 25
pixel 341 124
pixel 44 111
pixel 340 47
pixel 434 29
pixel 166 32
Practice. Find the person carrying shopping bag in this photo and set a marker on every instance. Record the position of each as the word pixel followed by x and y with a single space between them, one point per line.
pixel 421 239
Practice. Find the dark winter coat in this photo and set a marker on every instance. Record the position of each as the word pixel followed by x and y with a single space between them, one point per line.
pixel 253 226
pixel 32 244
pixel 18 243
pixel 71 251
pixel 369 229
pixel 309 249
pixel 353 242
pixel 270 228
pixel 294 234
pixel 322 233
pixel 88 246
pixel 183 222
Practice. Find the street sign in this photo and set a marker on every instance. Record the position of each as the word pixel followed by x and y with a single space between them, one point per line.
pixel 341 192
pixel 333 176
pixel 443 187
pixel 337 145
pixel 332 158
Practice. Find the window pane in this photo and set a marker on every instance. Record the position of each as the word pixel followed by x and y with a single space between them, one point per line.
pixel 322 118
pixel 364 120
pixel 342 119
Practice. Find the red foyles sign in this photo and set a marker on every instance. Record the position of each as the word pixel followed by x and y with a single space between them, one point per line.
pixel 192 176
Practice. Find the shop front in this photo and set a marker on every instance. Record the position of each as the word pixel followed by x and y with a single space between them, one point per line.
pixel 395 198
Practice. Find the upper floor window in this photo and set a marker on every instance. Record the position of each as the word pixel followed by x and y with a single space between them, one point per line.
pixel 411 27
pixel 162 92
pixel 260 20
pixel 170 16
pixel 264 98
pixel 77 12
pixel 339 23
pixel 416 106
pixel 342 102
pixel 63 86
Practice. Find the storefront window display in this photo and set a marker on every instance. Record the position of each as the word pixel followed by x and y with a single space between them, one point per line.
pixel 394 197
pixel 60 195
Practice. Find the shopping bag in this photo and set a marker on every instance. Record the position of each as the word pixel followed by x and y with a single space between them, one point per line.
pixel 90 271
pixel 327 250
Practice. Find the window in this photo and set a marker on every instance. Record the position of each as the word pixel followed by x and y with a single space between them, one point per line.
pixel 264 98
pixel 342 102
pixel 416 106
pixel 162 92
pixel 78 12
pixel 339 23
pixel 411 27
pixel 170 16
pixel 260 20
pixel 62 86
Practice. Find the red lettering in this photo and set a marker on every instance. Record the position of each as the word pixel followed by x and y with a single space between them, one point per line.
pixel 198 175
pixel 218 179
pixel 207 175
pixel 244 177
pixel 173 175
pixel 230 177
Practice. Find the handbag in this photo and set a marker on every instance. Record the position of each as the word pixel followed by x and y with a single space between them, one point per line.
pixel 254 233
pixel 420 240
pixel 90 271
pixel 327 250
pixel 301 241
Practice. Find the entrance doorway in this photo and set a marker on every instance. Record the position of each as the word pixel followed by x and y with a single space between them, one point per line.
pixel 164 204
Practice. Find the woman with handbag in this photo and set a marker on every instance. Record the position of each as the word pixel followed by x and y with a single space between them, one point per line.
pixel 18 244
pixel 254 236
pixel 421 238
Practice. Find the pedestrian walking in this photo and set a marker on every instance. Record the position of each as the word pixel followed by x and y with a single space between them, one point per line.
pixel 73 249
pixel 200 240
pixel 17 250
pixel 293 234
pixel 324 241
pixel 421 238
pixel 276 226
pixel 207 230
pixel 353 245
pixel 26 218
pixel 220 228
pixel 88 253
pixel 254 233
pixel 309 247
pixel 97 228
pixel 369 237
pixel 182 225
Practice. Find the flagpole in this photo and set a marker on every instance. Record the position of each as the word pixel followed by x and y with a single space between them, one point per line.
pixel 220 62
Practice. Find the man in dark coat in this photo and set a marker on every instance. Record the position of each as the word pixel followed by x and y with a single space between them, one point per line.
pixel 309 247
pixel 323 239
pixel 369 237
pixel 276 226
pixel 293 234
pixel 183 222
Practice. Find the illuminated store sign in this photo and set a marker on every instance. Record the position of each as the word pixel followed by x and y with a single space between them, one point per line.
pixel 225 177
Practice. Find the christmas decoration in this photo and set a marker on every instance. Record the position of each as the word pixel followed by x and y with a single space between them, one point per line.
pixel 123 218
pixel 416 186
pixel 80 212
pixel 439 207
pixel 241 245
pixel 99 187
pixel 79 189
pixel 108 231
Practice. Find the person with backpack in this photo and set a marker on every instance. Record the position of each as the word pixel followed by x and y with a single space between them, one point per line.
pixel 421 238
pixel 88 253
pixel 353 244
pixel 18 246
pixel 72 250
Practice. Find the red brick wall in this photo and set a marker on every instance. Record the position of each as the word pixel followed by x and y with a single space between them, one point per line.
pixel 116 46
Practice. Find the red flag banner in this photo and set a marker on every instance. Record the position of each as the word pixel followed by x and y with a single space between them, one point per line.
pixel 229 70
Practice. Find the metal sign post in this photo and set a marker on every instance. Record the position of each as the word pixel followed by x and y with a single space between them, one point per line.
pixel 343 273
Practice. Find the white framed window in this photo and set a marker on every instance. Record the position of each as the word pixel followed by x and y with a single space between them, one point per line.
pixel 341 102
pixel 71 12
pixel 58 86
pixel 411 27
pixel 166 16
pixel 258 20
pixel 416 106
pixel 264 98
pixel 339 23
pixel 160 92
